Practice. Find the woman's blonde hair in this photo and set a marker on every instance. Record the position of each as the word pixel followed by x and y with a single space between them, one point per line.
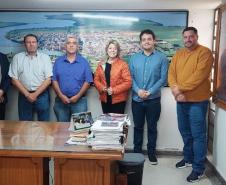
pixel 117 47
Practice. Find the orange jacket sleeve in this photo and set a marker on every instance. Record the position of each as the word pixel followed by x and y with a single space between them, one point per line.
pixel 98 79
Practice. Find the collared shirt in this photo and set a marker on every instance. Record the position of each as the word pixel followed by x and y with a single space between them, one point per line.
pixel 71 76
pixel 31 71
pixel 148 73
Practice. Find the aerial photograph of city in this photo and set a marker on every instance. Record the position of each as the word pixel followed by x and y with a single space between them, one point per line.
pixel 93 30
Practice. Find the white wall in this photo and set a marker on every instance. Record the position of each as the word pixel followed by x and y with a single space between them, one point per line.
pixel 219 146
pixel 203 20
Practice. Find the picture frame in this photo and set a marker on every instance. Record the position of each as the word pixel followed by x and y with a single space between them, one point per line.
pixel 93 28
pixel 219 50
pixel 81 121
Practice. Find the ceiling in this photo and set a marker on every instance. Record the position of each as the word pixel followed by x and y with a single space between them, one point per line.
pixel 107 4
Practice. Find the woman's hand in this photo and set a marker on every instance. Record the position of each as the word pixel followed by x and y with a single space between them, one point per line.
pixel 109 91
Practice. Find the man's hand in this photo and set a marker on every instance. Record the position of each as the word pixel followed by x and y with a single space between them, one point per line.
pixel 1 92
pixel 181 98
pixel 141 93
pixel 31 97
pixel 64 99
pixel 175 90
pixel 1 96
pixel 74 99
pixel 146 94
pixel 1 99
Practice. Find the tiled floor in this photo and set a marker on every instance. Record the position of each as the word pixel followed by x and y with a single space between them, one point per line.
pixel 165 173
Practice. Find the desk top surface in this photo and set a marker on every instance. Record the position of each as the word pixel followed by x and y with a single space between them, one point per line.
pixel 44 139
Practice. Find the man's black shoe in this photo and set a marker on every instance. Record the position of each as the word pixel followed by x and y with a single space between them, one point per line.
pixel 152 158
pixel 194 176
pixel 183 164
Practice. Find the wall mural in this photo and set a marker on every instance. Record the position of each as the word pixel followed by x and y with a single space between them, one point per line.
pixel 93 28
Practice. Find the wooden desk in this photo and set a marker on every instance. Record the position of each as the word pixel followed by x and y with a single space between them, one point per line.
pixel 25 148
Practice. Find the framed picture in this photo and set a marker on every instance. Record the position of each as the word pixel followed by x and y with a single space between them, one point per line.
pixel 93 28
pixel 219 48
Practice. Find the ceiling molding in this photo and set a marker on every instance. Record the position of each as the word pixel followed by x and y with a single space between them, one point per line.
pixel 73 5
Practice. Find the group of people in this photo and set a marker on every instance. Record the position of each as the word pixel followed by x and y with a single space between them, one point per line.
pixel 31 73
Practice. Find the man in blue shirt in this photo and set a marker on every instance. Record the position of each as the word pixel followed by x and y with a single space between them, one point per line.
pixel 149 72
pixel 71 79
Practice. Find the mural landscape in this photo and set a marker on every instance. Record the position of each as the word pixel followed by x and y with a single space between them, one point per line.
pixel 94 30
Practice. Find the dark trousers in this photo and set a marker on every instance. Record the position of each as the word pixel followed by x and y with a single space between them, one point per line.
pixel 149 109
pixel 113 108
pixel 2 111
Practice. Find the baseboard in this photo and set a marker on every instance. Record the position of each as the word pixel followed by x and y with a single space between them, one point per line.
pixel 161 152
pixel 215 174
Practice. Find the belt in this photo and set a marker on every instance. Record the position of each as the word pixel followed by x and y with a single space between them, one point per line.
pixel 35 91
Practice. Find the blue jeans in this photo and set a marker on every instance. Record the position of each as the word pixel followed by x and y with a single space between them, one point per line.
pixel 149 109
pixel 63 111
pixel 192 126
pixel 26 109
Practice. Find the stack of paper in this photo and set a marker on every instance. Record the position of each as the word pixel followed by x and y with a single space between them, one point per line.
pixel 108 132
pixel 79 138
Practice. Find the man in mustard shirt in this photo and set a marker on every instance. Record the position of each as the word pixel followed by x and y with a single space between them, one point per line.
pixel 189 80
